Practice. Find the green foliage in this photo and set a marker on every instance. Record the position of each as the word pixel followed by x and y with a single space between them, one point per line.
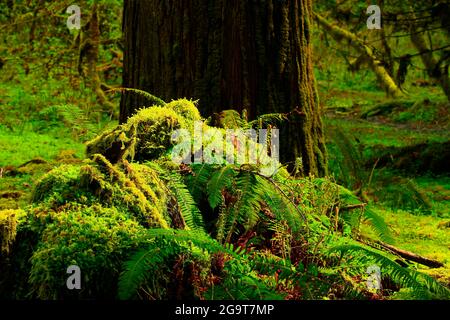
pixel 153 263
pixel 347 163
pixel 246 208
pixel 275 229
pixel 189 210
pixel 99 181
pixel 402 193
pixel 8 229
pixel 154 100
pixel 148 134
pixel 422 285
pixel 378 225
pixel 220 180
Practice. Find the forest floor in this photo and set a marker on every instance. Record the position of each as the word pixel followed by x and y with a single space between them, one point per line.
pixel 42 128
pixel 412 195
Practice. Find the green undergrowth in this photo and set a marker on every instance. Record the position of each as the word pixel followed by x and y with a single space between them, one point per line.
pixel 143 227
pixel 425 235
pixel 18 148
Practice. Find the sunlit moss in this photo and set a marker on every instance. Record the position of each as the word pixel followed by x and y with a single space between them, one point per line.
pixel 147 134
pixel 57 181
pixel 131 188
pixel 94 238
pixel 8 229
pixel 185 108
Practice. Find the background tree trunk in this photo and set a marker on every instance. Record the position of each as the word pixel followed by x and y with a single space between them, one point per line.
pixel 229 54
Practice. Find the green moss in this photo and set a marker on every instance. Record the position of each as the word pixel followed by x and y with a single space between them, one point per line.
pixel 146 135
pixel 187 109
pixel 95 238
pixel 154 128
pixel 59 181
pixel 115 144
pixel 134 189
pixel 8 229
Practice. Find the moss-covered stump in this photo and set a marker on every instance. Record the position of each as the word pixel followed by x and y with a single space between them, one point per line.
pixel 132 188
pixel 91 215
pixel 95 238
pixel 146 135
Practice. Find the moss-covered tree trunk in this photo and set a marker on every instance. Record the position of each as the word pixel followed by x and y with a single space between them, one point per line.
pixel 229 54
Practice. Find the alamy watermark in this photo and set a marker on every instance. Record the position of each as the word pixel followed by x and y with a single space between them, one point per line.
pixel 74 21
pixel 373 282
pixel 74 280
pixel 374 21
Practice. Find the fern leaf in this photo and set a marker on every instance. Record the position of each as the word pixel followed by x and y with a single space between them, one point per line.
pixel 268 119
pixel 245 210
pixel 220 180
pixel 280 205
pixel 153 99
pixel 418 282
pixel 378 225
pixel 189 210
pixel 135 272
pixel 197 182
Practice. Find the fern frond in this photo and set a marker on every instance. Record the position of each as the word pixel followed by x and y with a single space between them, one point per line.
pixel 245 210
pixel 421 284
pixel 221 220
pixel 280 204
pixel 378 224
pixel 221 179
pixel 268 119
pixel 189 210
pixel 154 100
pixel 136 269
pixel 151 262
pixel 197 182
pixel 351 164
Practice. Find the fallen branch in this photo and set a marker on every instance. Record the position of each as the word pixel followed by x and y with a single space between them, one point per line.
pixel 354 206
pixel 412 256
pixel 408 255
pixel 375 64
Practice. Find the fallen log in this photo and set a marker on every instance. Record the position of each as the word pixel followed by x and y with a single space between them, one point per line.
pixel 375 64
pixel 408 255
pixel 412 256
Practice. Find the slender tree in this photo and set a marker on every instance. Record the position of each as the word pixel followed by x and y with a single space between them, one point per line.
pixel 252 55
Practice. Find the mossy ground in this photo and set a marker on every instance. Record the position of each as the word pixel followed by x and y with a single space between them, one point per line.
pixel 417 227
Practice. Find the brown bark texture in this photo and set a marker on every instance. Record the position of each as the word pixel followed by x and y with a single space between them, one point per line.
pixel 229 54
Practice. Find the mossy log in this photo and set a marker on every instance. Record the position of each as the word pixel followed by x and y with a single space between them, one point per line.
pixel 387 107
pixel 133 188
pixel 431 157
pixel 376 65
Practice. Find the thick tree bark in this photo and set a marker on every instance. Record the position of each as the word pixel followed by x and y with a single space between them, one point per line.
pixel 229 54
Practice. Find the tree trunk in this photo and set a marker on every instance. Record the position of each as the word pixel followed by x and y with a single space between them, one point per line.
pixel 434 68
pixel 229 54
pixel 88 58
